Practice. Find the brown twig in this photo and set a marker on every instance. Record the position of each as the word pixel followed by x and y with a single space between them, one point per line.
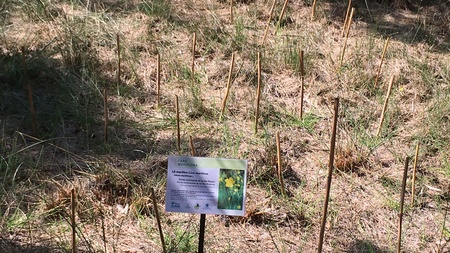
pixel 413 183
pixel 224 102
pixel 30 93
pixel 158 220
pixel 381 62
pixel 268 22
pixel 177 109
pixel 258 93
pixel 280 172
pixel 391 81
pixel 330 174
pixel 346 37
pixel 281 16
pixel 402 199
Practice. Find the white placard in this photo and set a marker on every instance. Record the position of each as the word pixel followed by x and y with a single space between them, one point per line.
pixel 206 185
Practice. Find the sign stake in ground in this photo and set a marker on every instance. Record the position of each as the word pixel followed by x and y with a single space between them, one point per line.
pixel 385 105
pixel 302 81
pixel 258 93
pixel 191 142
pixel 413 184
pixel 105 112
pixel 194 41
pixel 330 174
pixel 224 102
pixel 346 37
pixel 313 10
pixel 281 16
pixel 73 203
pixel 177 109
pixel 231 11
pixel 30 93
pixel 158 220
pixel 158 77
pixel 118 63
pixel 280 173
pixel 402 200
pixel 344 28
pixel 381 62
pixel 268 22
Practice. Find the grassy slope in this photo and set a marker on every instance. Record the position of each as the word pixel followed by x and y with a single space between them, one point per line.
pixel 72 57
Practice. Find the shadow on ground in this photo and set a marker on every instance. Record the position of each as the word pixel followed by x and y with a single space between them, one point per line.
pixel 365 246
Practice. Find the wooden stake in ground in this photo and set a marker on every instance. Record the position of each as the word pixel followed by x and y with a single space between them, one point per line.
pixel 158 220
pixel 118 62
pixel 268 22
pixel 30 93
pixel 413 184
pixel 402 200
pixel 344 27
pixel 231 11
pixel 230 73
pixel 158 77
pixel 302 80
pixel 105 112
pixel 280 173
pixel 346 37
pixel 258 93
pixel 73 203
pixel 381 62
pixel 391 81
pixel 177 109
pixel 330 174
pixel 193 153
pixel 313 10
pixel 194 42
pixel 281 16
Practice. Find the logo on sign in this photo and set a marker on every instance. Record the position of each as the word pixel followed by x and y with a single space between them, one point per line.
pixel 174 204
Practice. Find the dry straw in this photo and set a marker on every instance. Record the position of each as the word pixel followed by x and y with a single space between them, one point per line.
pixel 224 102
pixel 346 37
pixel 402 201
pixel 281 16
pixel 280 168
pixel 381 62
pixel 330 174
pixel 30 93
pixel 258 93
pixel 391 81
pixel 268 22
pixel 158 220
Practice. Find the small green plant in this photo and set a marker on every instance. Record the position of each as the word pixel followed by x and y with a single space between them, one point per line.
pixel 157 8
pixel 183 241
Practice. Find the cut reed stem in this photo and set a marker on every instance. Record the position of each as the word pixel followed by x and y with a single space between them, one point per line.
pixel 230 73
pixel 158 78
pixel 344 28
pixel 281 17
pixel 302 82
pixel 391 81
pixel 402 200
pixel 105 112
pixel 268 22
pixel 177 109
pixel 413 183
pixel 30 93
pixel 194 42
pixel 158 220
pixel 258 93
pixel 381 62
pixel 280 168
pixel 73 209
pixel 346 37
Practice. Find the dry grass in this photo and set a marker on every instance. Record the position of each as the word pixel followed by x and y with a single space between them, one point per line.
pixel 72 57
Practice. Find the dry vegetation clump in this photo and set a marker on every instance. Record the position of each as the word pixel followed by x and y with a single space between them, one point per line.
pixel 61 56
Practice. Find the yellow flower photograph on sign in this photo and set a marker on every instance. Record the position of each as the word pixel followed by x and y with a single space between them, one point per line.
pixel 231 192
